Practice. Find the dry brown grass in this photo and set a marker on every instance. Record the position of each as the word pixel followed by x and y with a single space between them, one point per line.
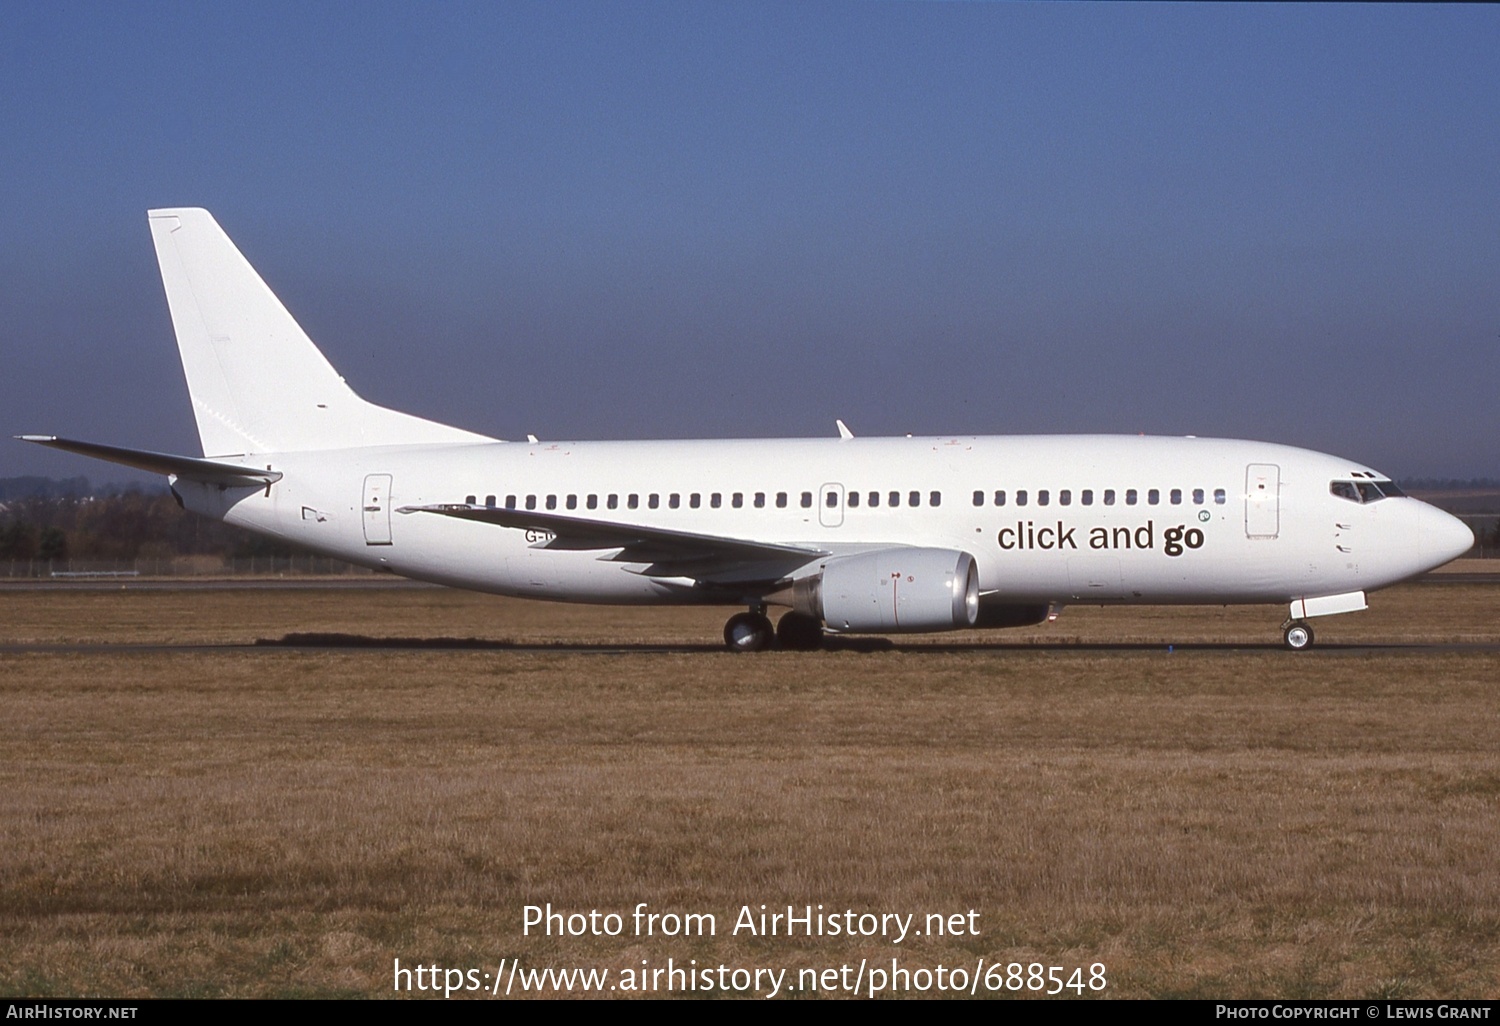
pixel 1207 822
pixel 1416 613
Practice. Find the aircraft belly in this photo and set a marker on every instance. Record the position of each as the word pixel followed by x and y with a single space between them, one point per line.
pixel 1095 577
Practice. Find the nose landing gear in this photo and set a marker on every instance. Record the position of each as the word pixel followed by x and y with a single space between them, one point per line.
pixel 1296 635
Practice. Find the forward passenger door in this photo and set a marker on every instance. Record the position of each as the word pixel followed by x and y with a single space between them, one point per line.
pixel 1262 500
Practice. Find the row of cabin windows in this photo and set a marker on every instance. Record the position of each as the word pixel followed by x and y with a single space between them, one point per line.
pixel 653 501
pixel 872 499
pixel 1043 497
pixel 758 500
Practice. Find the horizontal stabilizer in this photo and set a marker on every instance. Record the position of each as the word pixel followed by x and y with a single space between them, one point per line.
pixel 188 467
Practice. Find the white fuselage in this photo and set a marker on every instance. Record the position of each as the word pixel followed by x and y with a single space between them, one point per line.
pixel 1092 519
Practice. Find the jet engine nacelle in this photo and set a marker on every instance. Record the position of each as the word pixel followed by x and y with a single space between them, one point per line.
pixel 894 590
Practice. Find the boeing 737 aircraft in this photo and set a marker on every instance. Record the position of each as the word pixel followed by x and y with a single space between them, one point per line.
pixel 847 535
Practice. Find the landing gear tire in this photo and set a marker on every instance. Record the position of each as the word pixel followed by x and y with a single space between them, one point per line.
pixel 798 632
pixel 1297 636
pixel 748 632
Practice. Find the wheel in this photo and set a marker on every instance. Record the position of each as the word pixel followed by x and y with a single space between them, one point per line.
pixel 798 632
pixel 748 632
pixel 1297 636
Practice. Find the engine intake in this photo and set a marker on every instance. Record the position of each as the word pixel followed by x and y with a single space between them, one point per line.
pixel 892 591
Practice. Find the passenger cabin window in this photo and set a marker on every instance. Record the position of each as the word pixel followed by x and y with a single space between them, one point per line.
pixel 489 500
pixel 613 502
pixel 1000 497
pixel 633 500
pixel 874 499
pixel 833 499
pixel 695 500
pixel 1020 496
pixel 468 500
pixel 674 501
pixel 1153 496
pixel 531 502
pixel 572 502
pixel 895 499
pixel 1177 496
pixel 716 500
pixel 934 498
pixel 737 500
pixel 653 500
pixel 1130 496
pixel 760 500
pixel 1220 497
pixel 914 498
pixel 853 500
pixel 1197 496
pixel 1065 498
pixel 1086 497
pixel 593 502
pixel 807 500
pixel 1043 497
pixel 510 502
pixel 1109 496
pixel 551 502
pixel 979 498
pixel 781 500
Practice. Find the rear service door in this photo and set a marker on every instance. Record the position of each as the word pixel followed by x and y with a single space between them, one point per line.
pixel 377 509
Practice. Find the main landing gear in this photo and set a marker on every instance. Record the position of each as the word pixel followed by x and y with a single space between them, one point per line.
pixel 749 632
pixel 1296 635
pixel 752 632
pixel 798 632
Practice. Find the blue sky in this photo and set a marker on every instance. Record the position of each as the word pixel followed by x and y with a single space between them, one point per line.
pixel 712 220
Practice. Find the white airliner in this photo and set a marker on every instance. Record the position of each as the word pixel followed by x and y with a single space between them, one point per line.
pixel 849 535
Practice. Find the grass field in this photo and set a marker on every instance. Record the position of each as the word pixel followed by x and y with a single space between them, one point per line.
pixel 1224 819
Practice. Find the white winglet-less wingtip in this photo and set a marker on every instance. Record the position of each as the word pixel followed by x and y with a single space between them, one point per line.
pixel 850 535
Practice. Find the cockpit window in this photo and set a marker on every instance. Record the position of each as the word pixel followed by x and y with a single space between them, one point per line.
pixel 1364 491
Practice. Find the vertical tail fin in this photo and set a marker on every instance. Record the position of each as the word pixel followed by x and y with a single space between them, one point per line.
pixel 257 382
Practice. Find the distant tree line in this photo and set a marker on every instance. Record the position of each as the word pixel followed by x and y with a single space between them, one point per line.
pixel 43 519
pixel 1449 484
pixel 13 488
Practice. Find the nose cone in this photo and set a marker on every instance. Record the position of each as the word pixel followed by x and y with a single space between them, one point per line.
pixel 1441 537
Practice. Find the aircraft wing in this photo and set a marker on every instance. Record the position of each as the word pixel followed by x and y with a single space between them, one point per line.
pixel 669 553
pixel 191 468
